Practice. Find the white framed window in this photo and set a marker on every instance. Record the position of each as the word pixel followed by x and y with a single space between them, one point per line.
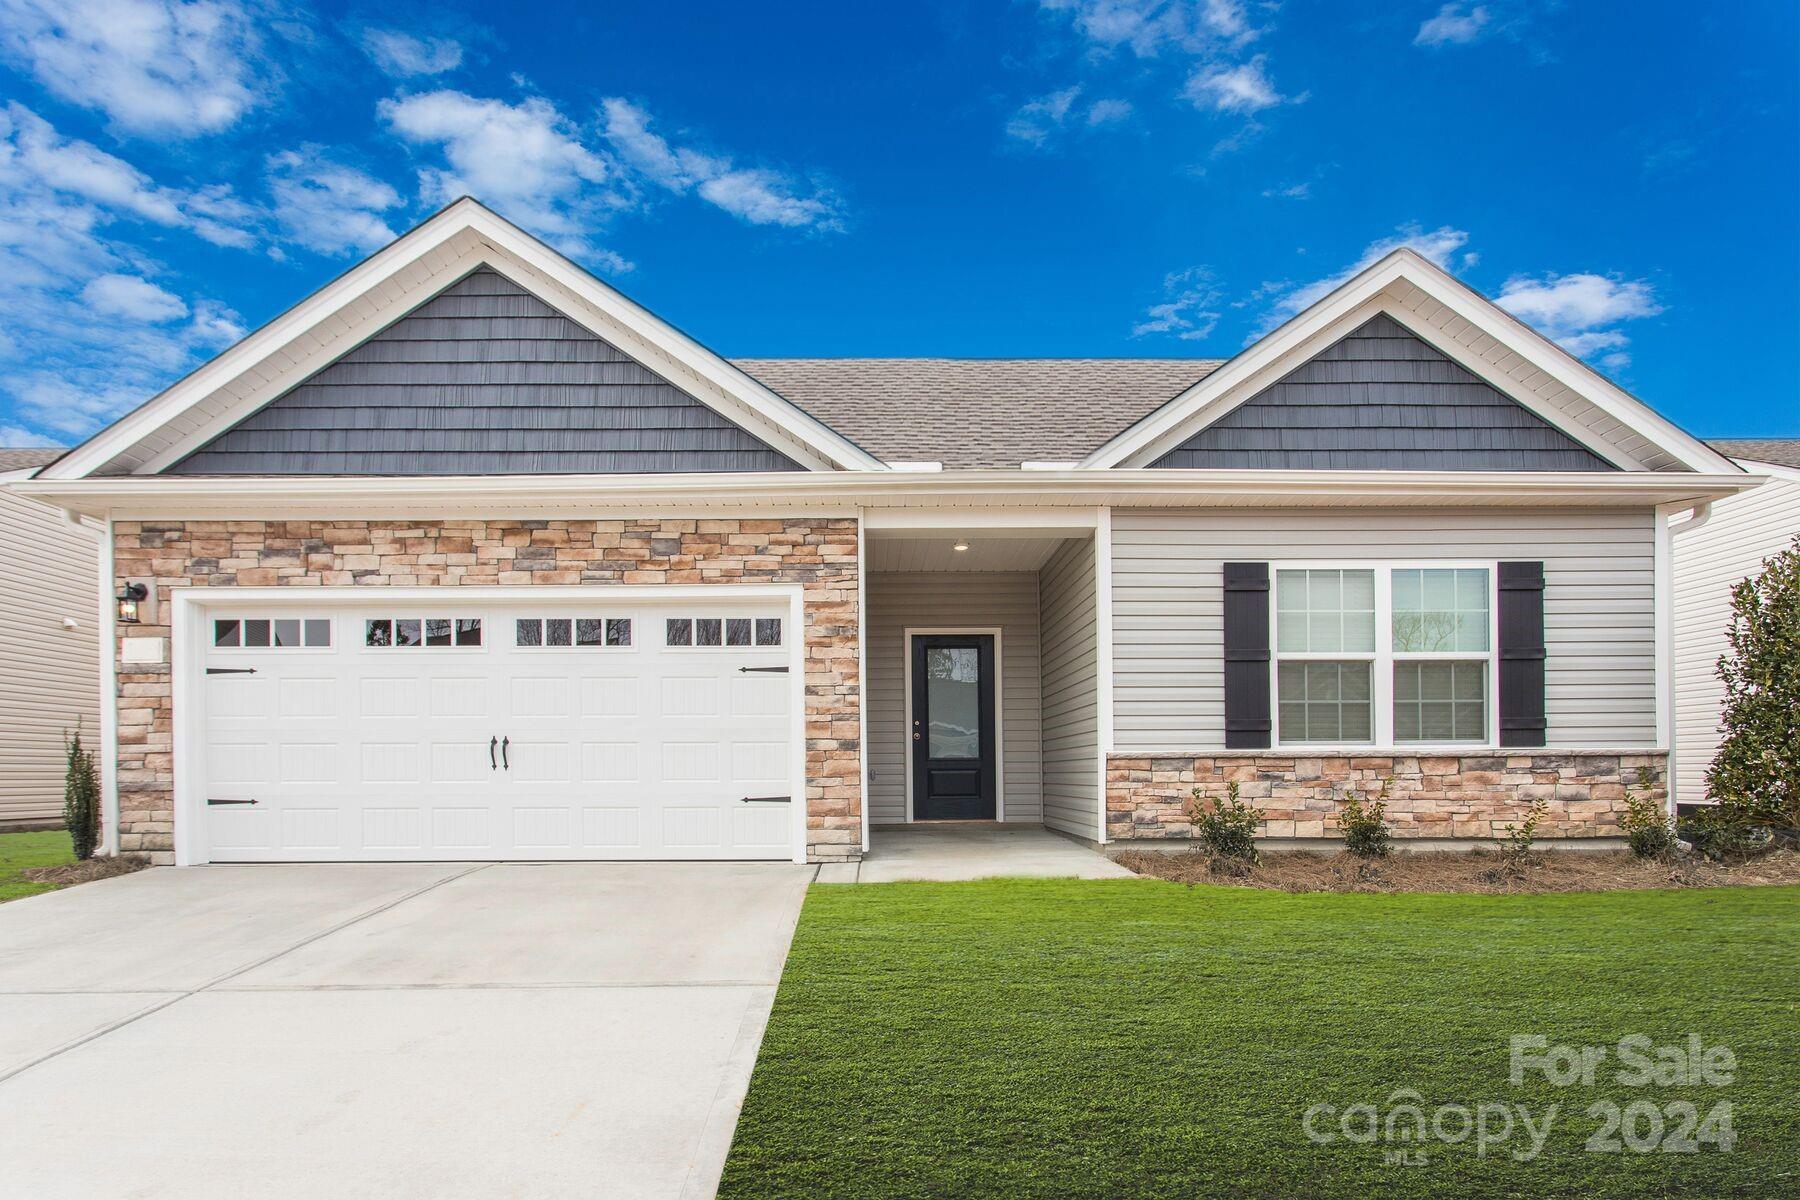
pixel 413 633
pixel 271 633
pixel 531 633
pixel 730 633
pixel 1384 654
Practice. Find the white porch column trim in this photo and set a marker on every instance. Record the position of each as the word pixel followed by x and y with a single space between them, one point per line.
pixel 1103 650
pixel 109 698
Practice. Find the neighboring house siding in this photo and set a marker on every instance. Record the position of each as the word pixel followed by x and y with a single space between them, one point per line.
pixel 1168 643
pixel 1071 702
pixel 953 600
pixel 49 675
pixel 1382 398
pixel 1709 561
pixel 483 379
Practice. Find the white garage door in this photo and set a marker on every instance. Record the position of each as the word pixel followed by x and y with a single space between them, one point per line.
pixel 433 731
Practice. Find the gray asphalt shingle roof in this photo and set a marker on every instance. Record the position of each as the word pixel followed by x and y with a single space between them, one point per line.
pixel 18 460
pixel 1781 451
pixel 979 412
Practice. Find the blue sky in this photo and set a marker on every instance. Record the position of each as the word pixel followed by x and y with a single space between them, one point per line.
pixel 1039 177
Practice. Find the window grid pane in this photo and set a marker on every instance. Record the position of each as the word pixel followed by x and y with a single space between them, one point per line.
pixel 1325 702
pixel 1441 609
pixel 1325 611
pixel 1440 701
pixel 618 631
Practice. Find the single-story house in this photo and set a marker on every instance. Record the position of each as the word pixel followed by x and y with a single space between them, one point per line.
pixel 50 614
pixel 1714 551
pixel 468 556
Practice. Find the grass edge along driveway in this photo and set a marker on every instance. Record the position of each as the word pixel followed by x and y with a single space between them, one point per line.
pixel 19 851
pixel 1140 1038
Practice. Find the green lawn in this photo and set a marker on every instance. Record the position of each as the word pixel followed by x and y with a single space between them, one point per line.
pixel 21 850
pixel 1138 1038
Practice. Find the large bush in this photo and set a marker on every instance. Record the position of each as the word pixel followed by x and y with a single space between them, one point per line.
pixel 1757 770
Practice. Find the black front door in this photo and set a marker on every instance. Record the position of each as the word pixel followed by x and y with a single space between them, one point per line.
pixel 952 727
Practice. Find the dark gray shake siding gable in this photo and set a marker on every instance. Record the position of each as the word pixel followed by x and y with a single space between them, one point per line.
pixel 483 379
pixel 1381 398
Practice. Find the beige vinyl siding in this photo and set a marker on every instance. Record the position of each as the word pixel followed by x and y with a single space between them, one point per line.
pixel 1071 705
pixel 49 676
pixel 953 600
pixel 1168 634
pixel 1741 532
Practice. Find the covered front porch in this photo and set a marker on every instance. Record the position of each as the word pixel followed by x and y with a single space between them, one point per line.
pixel 958 851
pixel 983 643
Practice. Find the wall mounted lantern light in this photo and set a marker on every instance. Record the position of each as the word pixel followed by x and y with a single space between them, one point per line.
pixel 130 596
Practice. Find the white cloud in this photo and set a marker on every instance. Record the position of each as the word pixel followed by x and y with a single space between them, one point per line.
pixel 1189 308
pixel 1037 119
pixel 162 68
pixel 328 207
pixel 134 298
pixel 19 438
pixel 1438 245
pixel 34 156
pixel 1244 88
pixel 1292 191
pixel 1150 26
pixel 757 195
pixel 526 160
pixel 1577 311
pixel 404 56
pixel 1108 112
pixel 1454 25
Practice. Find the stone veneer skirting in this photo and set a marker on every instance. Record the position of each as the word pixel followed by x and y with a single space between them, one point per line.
pixel 819 554
pixel 1432 796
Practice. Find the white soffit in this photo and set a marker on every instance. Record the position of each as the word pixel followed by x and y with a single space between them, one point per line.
pixel 383 288
pixel 1462 324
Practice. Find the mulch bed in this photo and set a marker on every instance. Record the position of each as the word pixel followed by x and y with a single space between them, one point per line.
pixel 85 872
pixel 1470 871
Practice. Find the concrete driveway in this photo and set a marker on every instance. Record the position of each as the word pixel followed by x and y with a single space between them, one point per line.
pixel 430 1030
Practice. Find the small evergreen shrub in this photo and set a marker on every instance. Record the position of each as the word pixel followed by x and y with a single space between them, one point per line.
pixel 1757 768
pixel 1515 847
pixel 1647 828
pixel 81 797
pixel 1226 827
pixel 1365 825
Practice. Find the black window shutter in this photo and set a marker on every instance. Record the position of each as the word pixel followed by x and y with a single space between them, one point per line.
pixel 1247 724
pixel 1522 654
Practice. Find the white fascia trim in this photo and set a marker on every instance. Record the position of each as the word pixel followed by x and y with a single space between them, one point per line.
pixel 1266 360
pixel 757 494
pixel 467 216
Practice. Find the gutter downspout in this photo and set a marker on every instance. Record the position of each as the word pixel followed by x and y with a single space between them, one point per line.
pixel 1699 514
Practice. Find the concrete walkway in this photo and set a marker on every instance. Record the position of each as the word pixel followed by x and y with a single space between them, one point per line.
pixel 961 850
pixel 430 1030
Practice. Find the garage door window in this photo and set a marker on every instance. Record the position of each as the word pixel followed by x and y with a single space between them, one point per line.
pixel 272 633
pixel 722 632
pixel 553 632
pixel 408 633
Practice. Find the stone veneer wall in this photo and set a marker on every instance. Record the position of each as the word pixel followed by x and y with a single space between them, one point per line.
pixel 820 555
pixel 1433 796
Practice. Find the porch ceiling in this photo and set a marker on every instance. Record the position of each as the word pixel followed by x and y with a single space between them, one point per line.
pixel 935 551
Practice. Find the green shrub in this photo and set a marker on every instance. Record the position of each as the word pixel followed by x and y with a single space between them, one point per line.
pixel 1647 828
pixel 81 797
pixel 1515 847
pixel 1725 833
pixel 1365 825
pixel 1226 827
pixel 1757 768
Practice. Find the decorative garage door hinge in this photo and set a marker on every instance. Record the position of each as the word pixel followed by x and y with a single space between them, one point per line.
pixel 231 670
pixel 210 800
pixel 766 799
pixel 762 670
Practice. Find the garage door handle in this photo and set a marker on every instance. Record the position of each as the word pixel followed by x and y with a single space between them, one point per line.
pixel 492 765
pixel 216 803
pixel 765 800
pixel 504 743
pixel 762 670
pixel 231 670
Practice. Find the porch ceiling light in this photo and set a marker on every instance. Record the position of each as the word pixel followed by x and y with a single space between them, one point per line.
pixel 960 546
pixel 130 596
